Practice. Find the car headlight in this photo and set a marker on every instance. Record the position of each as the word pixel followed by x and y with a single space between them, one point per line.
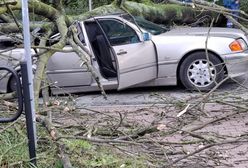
pixel 238 45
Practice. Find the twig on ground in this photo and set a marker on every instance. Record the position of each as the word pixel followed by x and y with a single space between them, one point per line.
pixel 183 111
pixel 10 125
pixel 54 135
pixel 64 157
pixel 199 136
pixel 233 105
pixel 140 133
pixel 98 140
pixel 204 148
pixel 245 109
pixel 7 96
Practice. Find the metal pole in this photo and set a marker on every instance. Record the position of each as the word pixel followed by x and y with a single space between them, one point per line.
pixel 28 114
pixel 90 5
pixel 29 99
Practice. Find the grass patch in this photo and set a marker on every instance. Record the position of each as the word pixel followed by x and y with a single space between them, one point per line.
pixel 14 151
pixel 14 148
pixel 84 154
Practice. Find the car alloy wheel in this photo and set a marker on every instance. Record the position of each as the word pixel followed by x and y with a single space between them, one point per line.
pixel 201 73
pixel 197 73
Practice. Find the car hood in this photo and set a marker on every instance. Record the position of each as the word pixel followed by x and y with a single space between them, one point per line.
pixel 203 31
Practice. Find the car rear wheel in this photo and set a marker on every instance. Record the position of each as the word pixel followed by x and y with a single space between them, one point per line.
pixel 11 86
pixel 196 73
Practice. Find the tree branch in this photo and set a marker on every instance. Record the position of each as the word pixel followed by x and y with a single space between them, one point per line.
pixel 85 57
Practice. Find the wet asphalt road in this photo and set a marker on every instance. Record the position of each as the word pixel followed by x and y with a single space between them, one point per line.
pixel 152 95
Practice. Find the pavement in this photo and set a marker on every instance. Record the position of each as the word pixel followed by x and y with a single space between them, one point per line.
pixel 161 106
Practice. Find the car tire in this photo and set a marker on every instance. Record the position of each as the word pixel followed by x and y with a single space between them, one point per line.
pixel 195 74
pixel 11 86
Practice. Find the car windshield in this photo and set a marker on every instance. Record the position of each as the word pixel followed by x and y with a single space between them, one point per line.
pixel 146 25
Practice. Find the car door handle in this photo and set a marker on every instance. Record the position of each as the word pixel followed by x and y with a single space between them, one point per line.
pixel 122 52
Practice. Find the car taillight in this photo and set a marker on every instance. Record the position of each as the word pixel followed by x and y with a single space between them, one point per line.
pixel 238 45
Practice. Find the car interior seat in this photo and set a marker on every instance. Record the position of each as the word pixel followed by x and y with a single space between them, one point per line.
pixel 104 57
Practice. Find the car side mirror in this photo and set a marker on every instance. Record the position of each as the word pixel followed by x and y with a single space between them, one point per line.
pixel 146 36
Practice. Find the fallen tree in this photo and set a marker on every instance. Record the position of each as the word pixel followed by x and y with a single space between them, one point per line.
pixel 56 20
pixel 60 22
pixel 117 129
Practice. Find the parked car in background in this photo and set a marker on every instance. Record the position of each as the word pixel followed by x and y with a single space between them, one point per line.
pixel 132 52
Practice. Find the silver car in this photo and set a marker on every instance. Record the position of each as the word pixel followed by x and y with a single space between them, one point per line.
pixel 128 52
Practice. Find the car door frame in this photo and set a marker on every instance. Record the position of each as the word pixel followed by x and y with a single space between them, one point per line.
pixel 121 82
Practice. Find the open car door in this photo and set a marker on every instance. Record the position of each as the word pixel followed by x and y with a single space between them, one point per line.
pixel 136 61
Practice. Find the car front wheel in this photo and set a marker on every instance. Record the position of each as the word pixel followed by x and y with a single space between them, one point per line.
pixel 197 73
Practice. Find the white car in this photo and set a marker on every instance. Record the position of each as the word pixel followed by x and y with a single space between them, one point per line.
pixel 128 53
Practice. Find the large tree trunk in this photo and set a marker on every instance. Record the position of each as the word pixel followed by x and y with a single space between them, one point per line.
pixel 158 13
pixel 162 13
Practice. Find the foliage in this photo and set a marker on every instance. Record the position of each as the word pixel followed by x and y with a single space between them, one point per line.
pixel 14 148
pixel 86 154
pixel 244 5
pixel 12 144
pixel 14 151
pixel 75 7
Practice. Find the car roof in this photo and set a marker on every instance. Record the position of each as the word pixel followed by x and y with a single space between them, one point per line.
pixel 113 15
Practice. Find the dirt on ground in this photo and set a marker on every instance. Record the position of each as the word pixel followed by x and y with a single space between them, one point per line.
pixel 200 130
pixel 211 130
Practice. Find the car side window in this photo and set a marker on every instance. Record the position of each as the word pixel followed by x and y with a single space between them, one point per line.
pixel 118 33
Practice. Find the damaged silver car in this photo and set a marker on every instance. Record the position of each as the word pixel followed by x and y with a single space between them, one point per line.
pixel 132 52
